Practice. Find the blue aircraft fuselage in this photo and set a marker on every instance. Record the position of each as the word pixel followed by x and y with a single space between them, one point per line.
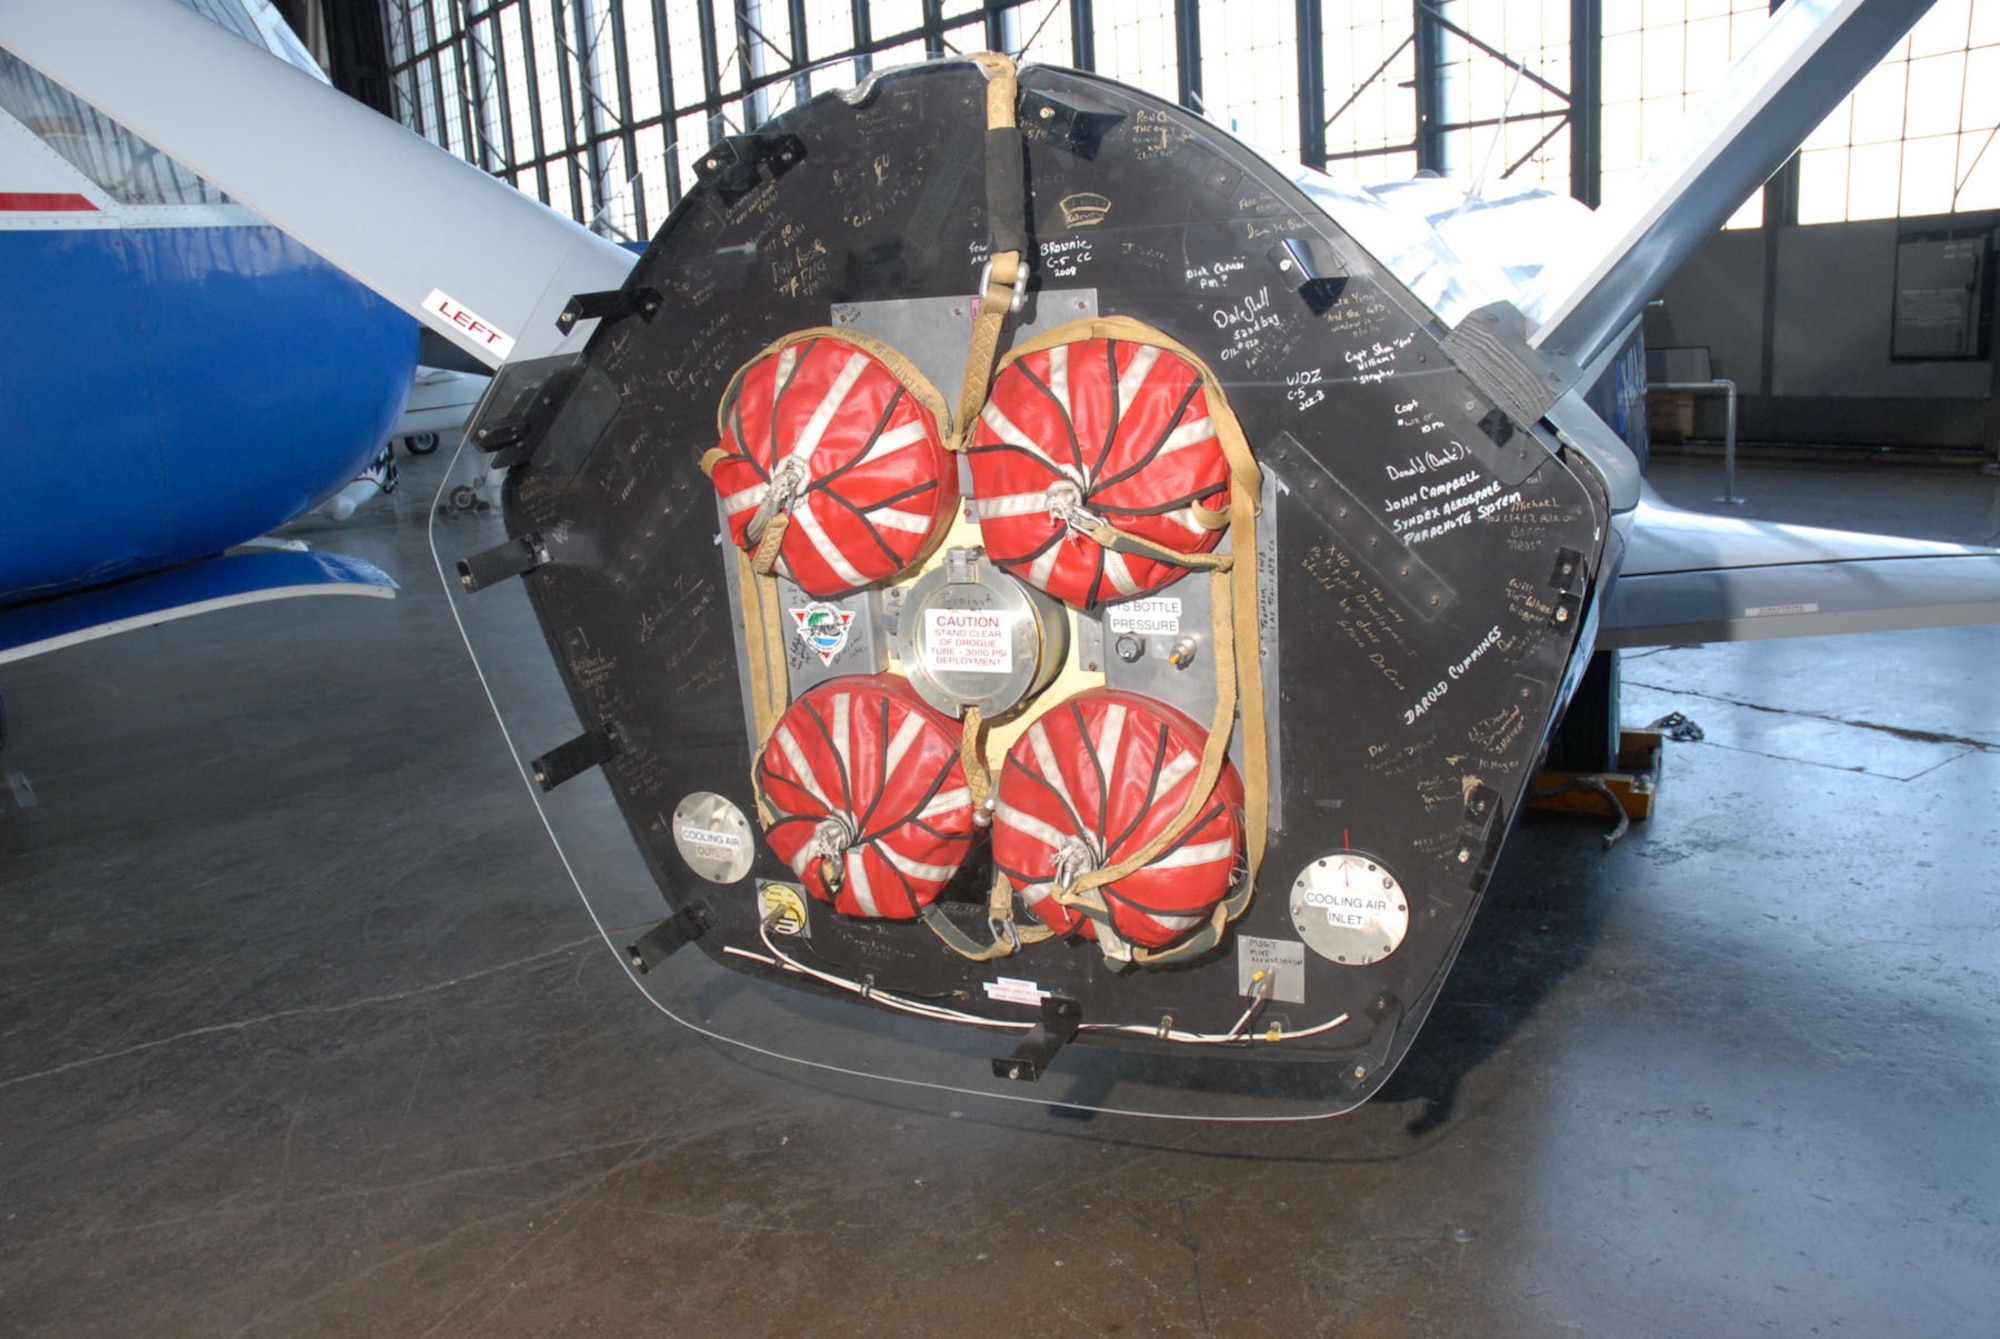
pixel 177 390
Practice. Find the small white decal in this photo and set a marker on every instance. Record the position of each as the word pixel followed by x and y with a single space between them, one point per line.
pixel 469 324
pixel 1774 610
pixel 728 841
pixel 1158 615
pixel 824 628
pixel 1015 991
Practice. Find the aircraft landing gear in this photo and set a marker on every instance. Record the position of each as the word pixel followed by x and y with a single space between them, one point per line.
pixel 463 498
pixel 422 444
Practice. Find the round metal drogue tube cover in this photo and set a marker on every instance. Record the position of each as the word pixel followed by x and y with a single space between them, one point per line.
pixel 973 636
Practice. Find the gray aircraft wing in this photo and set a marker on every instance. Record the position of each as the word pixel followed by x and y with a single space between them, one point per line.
pixel 1693 577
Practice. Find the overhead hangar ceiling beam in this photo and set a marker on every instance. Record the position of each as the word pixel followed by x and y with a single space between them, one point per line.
pixel 464 253
pixel 1809 57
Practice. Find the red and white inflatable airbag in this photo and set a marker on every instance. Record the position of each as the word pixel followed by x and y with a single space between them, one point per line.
pixel 873 813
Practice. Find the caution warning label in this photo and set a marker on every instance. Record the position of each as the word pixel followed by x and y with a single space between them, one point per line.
pixel 977 640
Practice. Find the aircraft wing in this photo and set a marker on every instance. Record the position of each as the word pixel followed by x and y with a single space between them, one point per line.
pixel 221 582
pixel 1693 577
pixel 463 252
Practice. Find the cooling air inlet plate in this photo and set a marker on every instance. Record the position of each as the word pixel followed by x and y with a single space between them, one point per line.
pixel 1349 909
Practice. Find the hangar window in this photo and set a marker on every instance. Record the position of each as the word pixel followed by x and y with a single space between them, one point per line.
pixel 1658 58
pixel 127 168
pixel 1502 90
pixel 1918 136
pixel 1370 116
pixel 601 107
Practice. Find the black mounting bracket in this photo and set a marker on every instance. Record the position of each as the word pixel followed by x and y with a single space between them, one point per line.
pixel 1058 1024
pixel 516 557
pixel 671 935
pixel 731 164
pixel 518 407
pixel 612 305
pixel 1072 122
pixel 1480 829
pixel 1569 570
pixel 1312 269
pixel 591 749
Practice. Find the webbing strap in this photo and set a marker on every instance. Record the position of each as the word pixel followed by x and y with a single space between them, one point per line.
pixel 1005 273
pixel 1009 936
pixel 1118 541
pixel 766 555
pixel 907 372
pixel 972 758
pixel 764 641
pixel 1238 653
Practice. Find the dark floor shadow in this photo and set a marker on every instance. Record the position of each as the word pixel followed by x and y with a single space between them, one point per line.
pixel 1540 919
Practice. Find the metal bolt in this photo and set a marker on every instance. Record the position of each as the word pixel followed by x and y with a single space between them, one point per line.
pixel 1464 856
pixel 1048 113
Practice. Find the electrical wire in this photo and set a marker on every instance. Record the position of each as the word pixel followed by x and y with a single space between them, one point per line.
pixel 939 1013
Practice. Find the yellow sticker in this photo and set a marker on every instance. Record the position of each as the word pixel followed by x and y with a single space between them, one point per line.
pixel 788 902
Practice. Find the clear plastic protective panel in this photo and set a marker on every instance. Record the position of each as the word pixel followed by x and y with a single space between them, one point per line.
pixel 1394 532
pixel 886 1038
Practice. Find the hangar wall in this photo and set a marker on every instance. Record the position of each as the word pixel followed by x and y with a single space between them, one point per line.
pixel 1799 318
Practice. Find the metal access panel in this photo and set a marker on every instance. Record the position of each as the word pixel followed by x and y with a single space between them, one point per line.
pixel 1425 564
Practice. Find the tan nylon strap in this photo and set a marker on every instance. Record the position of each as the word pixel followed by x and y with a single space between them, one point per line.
pixel 993 305
pixel 1007 940
pixel 1244 503
pixel 972 759
pixel 1237 654
pixel 1111 537
pixel 766 556
pixel 1000 899
pixel 1001 92
pixel 919 386
pixel 764 638
pixel 1001 88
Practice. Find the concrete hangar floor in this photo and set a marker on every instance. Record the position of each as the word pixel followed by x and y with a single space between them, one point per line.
pixel 302 1032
